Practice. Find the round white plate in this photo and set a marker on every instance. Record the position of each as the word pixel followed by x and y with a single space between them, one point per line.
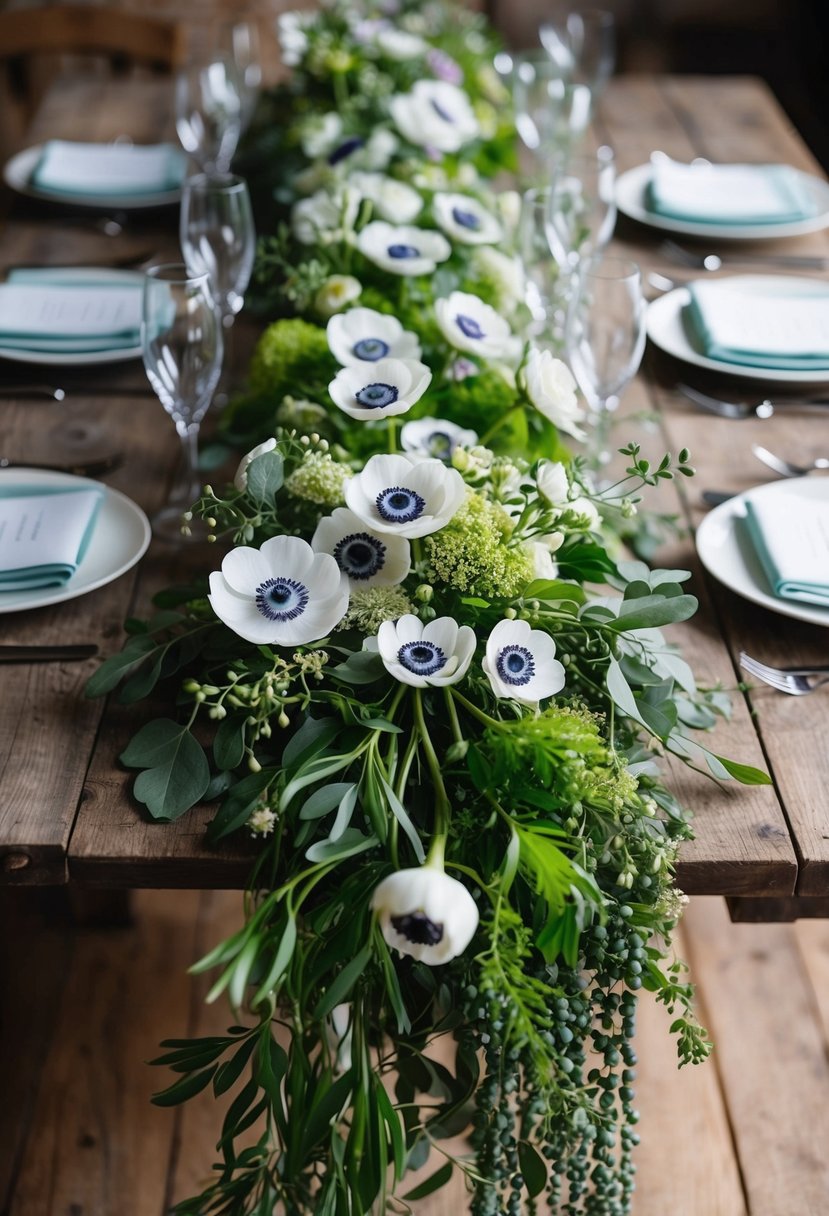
pixel 79 274
pixel 726 551
pixel 18 171
pixel 120 538
pixel 666 328
pixel 631 200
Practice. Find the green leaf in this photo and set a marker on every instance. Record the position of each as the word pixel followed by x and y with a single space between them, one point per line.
pixel 325 1109
pixel 237 806
pixel 431 1184
pixel 266 474
pixel 340 988
pixel 282 958
pixel 533 1168
pixel 349 844
pixel 114 669
pixel 392 1121
pixel 229 1073
pixel 362 667
pixel 746 774
pixel 186 1088
pixel 402 816
pixel 178 782
pixel 313 770
pixel 344 812
pixel 654 611
pixel 154 744
pixel 323 800
pixel 313 736
pixel 229 743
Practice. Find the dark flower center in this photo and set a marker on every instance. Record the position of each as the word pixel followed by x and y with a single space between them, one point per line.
pixel 515 665
pixel 378 395
pixel 469 326
pixel 439 445
pixel 281 599
pixel 399 505
pixel 441 112
pixel 403 251
pixel 345 149
pixel 466 219
pixel 418 929
pixel 370 349
pixel 360 555
pixel 421 658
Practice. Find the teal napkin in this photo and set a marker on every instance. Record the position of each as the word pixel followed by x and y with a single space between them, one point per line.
pixel 755 324
pixel 790 535
pixel 44 534
pixel 70 310
pixel 66 167
pixel 729 194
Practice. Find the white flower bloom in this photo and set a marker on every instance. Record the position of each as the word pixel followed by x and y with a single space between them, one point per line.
pixel 469 324
pixel 362 336
pixel 585 513
pixel 283 594
pixel 506 274
pixel 338 1033
pixel 380 148
pixel 394 201
pixel 365 558
pixel 321 134
pixel 521 663
pixel 399 45
pixel 337 291
pixel 435 653
pixel 435 115
pixel 509 206
pixel 543 564
pixel 552 481
pixel 293 40
pixel 552 390
pixel 435 437
pixel 240 479
pixel 325 217
pixel 381 389
pixel 403 250
pixel 425 913
pixel 466 220
pixel 262 821
pixel 398 495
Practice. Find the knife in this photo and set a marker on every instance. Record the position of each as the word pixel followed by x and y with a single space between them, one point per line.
pixel 46 654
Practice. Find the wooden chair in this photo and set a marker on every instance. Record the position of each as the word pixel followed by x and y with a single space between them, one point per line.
pixel 31 39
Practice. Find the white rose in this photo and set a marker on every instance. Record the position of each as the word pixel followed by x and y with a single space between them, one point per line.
pixel 552 481
pixel 551 388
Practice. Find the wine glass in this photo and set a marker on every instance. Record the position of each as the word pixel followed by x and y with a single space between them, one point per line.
pixel 240 43
pixel 551 113
pixel 209 113
pixel 581 214
pixel 545 282
pixel 605 337
pixel 582 45
pixel 181 343
pixel 218 239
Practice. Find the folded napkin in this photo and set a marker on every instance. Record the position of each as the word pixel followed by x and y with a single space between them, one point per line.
pixel 753 323
pixel 729 194
pixel 44 534
pixel 66 167
pixel 790 535
pixel 54 312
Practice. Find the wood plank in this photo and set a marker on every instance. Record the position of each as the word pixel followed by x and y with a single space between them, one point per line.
pixel 778 911
pixel 759 1005
pixel 99 1147
pixel 812 939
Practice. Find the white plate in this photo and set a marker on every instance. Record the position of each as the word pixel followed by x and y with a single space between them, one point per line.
pixel 121 536
pixel 726 551
pixel 18 171
pixel 631 200
pixel 79 274
pixel 666 328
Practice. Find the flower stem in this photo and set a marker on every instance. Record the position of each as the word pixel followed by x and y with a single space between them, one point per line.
pixel 496 426
pixel 392 429
pixel 473 709
pixel 436 850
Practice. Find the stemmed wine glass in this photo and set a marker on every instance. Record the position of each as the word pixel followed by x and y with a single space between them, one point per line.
pixel 209 113
pixel 582 45
pixel 551 113
pixel 181 343
pixel 218 239
pixel 240 43
pixel 605 337
pixel 581 211
pixel 542 275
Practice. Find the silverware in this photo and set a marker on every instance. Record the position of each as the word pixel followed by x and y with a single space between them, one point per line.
pixel 46 654
pixel 752 409
pixel 797 681
pixel 715 498
pixel 51 392
pixel 89 468
pixel 785 467
pixel 713 261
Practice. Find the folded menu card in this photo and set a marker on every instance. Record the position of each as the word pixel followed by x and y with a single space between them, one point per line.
pixel 44 534
pixel 790 534
pixel 66 167
pixel 70 316
pixel 729 194
pixel 752 322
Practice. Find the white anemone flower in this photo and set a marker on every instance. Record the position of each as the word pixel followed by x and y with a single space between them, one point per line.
pixel 422 653
pixel 380 148
pixel 379 390
pixel 521 663
pixel 394 201
pixel 240 479
pixel 402 496
pixel 400 45
pixel 325 217
pixel 425 913
pixel 553 482
pixel 336 293
pixel 464 219
pixel 282 594
pixel 364 557
pixel 403 249
pixel 435 437
pixel 506 275
pixel 471 325
pixel 362 336
pixel 321 134
pixel 435 115
pixel 551 388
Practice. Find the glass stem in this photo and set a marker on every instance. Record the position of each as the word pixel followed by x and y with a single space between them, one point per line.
pixel 187 486
pixel 226 380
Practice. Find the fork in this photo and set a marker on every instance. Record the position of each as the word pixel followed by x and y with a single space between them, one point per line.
pixel 712 261
pixel 751 409
pixel 797 681
pixel 90 468
pixel 785 467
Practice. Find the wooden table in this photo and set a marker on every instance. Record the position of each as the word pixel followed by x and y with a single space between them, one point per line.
pixel 66 812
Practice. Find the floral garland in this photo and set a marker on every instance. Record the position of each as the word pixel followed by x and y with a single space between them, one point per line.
pixel 400 682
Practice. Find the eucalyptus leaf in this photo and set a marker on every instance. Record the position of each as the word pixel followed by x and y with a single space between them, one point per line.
pixel 349 844
pixel 265 475
pixel 362 667
pixel 402 816
pixel 324 800
pixel 171 787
